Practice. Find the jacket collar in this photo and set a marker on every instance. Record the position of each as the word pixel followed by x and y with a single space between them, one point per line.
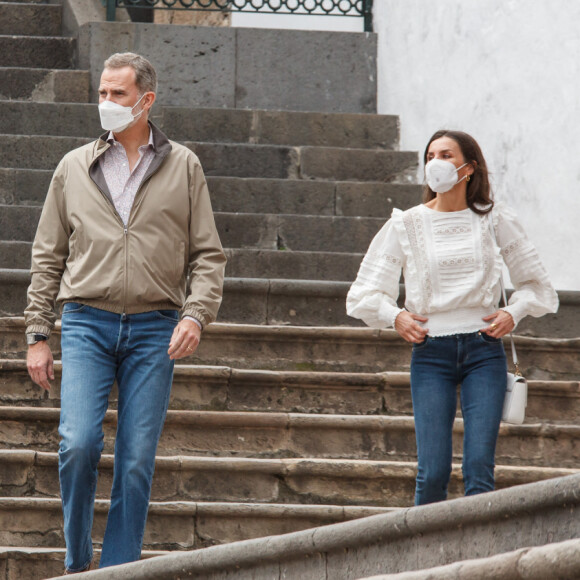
pixel 161 146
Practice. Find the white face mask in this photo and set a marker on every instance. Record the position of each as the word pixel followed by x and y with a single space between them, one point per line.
pixel 115 117
pixel 442 175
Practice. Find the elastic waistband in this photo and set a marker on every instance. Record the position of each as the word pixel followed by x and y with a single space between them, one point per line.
pixel 459 321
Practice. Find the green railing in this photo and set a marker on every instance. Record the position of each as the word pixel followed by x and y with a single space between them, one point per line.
pixel 344 8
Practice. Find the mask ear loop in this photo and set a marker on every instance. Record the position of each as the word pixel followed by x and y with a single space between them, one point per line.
pixel 141 111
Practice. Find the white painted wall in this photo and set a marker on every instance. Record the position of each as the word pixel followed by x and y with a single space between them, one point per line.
pixel 507 72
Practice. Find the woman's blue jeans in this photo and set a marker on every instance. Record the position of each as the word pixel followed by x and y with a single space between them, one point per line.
pixel 99 347
pixel 477 362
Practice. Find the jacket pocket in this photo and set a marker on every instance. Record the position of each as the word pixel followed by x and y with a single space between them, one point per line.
pixel 179 258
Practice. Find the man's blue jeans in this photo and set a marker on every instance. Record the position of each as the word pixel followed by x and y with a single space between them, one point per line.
pixel 97 348
pixel 477 362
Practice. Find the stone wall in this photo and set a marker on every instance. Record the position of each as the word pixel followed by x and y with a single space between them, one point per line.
pixel 244 68
pixel 505 72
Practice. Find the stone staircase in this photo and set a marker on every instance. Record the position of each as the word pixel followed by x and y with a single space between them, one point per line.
pixel 291 415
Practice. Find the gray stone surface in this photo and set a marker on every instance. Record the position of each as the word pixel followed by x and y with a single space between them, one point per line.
pixel 200 66
pixel 294 232
pixel 558 561
pixel 531 515
pixel 345 349
pixel 196 65
pixel 14 255
pixel 234 159
pixel 357 164
pixel 30 20
pixel 292 265
pixel 316 68
pixel 224 388
pixel 23 186
pixel 363 131
pixel 70 86
pixel 280 128
pixel 18 223
pixel 37 52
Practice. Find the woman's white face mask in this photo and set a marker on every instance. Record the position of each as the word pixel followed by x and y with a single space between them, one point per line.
pixel 115 117
pixel 442 175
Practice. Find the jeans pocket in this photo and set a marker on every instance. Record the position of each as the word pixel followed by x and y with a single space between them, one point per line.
pixel 423 344
pixel 169 315
pixel 489 339
pixel 72 307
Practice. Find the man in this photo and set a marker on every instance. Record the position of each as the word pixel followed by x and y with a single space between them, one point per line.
pixel 126 223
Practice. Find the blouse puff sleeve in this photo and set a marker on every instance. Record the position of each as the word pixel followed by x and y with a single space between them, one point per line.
pixel 373 296
pixel 534 294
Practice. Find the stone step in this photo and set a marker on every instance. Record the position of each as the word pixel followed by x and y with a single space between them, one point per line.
pixel 362 131
pixel 253 195
pixel 303 348
pixel 37 522
pixel 37 52
pixel 557 561
pixel 340 198
pixel 279 435
pixel 406 539
pixel 38 84
pixel 241 160
pixel 286 128
pixel 297 265
pixel 22 563
pixel 242 263
pixel 278 301
pixel 246 301
pixel 309 233
pixel 30 19
pixel 304 481
pixel 221 388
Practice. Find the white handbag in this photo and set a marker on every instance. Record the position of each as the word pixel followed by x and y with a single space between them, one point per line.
pixel 516 395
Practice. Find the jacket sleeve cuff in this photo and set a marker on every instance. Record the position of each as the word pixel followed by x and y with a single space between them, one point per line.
pixel 200 317
pixel 39 329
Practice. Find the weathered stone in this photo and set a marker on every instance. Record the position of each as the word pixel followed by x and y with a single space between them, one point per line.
pixel 280 128
pixel 15 255
pixel 262 83
pixel 426 536
pixel 65 86
pixel 37 52
pixel 283 264
pixel 357 164
pixel 30 19
pixel 18 223
pixel 23 186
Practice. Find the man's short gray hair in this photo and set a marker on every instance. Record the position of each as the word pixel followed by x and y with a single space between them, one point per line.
pixel 145 75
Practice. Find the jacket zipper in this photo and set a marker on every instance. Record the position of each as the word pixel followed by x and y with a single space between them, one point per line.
pixel 125 227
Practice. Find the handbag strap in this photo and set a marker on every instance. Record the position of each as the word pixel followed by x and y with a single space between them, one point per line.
pixel 502 286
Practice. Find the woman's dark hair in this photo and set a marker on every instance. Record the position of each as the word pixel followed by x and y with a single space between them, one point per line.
pixel 478 188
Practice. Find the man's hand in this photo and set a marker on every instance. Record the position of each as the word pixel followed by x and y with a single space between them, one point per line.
pixel 40 364
pixel 184 340
pixel 407 327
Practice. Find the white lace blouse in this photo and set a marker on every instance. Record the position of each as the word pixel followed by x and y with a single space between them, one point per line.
pixel 451 267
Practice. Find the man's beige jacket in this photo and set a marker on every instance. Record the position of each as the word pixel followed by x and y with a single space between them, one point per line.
pixel 84 253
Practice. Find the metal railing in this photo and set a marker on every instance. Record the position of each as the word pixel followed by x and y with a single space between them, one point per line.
pixel 344 8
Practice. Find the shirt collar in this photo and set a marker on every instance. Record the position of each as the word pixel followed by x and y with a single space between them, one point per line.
pixel 111 139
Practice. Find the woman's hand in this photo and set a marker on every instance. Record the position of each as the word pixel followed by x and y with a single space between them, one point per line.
pixel 502 323
pixel 406 326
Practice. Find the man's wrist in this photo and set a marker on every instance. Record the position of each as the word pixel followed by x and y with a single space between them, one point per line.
pixel 35 337
pixel 187 317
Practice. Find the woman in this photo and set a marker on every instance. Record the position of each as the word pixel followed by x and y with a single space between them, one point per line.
pixel 452 265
